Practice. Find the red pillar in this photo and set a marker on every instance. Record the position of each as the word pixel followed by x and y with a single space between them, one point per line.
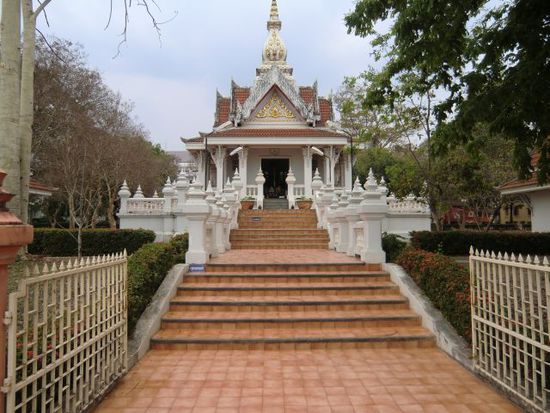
pixel 13 235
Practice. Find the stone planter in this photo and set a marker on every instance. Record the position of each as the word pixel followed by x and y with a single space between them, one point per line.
pixel 304 204
pixel 247 204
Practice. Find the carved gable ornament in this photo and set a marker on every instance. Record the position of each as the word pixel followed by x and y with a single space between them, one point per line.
pixel 275 109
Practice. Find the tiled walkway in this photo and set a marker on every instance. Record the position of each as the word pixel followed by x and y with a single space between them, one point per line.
pixel 282 257
pixel 357 367
pixel 315 381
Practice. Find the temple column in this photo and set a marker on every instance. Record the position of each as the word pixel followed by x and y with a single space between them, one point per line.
pixel 333 156
pixel 347 170
pixel 327 171
pixel 243 170
pixel 218 156
pixel 199 159
pixel 308 171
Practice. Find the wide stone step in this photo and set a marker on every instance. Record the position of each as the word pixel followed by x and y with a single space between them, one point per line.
pixel 377 337
pixel 278 241
pixel 293 267
pixel 285 278
pixel 259 233
pixel 285 212
pixel 243 290
pixel 278 235
pixel 287 303
pixel 280 224
pixel 289 320
pixel 280 246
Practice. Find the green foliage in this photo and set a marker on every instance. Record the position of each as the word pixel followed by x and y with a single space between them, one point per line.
pixel 459 242
pixel 63 243
pixel 489 62
pixel 147 269
pixel 376 125
pixel 393 245
pixel 445 283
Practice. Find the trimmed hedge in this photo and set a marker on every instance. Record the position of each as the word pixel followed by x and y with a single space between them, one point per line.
pixel 63 243
pixel 445 283
pixel 393 245
pixel 147 269
pixel 459 242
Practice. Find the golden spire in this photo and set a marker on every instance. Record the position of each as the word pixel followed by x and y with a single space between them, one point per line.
pixel 275 52
pixel 274 10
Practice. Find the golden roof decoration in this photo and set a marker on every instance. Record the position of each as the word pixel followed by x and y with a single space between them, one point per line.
pixel 275 108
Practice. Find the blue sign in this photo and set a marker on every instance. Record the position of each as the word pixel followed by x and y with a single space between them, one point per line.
pixel 197 268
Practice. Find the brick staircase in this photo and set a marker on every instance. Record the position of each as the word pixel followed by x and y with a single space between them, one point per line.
pixel 290 306
pixel 279 229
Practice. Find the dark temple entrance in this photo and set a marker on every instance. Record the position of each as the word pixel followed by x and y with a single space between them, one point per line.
pixel 275 172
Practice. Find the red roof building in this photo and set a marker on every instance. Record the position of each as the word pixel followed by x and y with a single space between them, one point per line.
pixel 275 128
pixel 538 196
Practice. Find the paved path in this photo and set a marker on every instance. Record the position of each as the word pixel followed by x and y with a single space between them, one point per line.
pixel 296 377
pixel 316 381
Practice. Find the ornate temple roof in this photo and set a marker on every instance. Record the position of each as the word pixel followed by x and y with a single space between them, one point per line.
pixel 236 112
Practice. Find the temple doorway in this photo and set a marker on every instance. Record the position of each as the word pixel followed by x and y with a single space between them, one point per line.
pixel 275 172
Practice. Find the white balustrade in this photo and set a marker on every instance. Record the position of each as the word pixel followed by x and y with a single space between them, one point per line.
pixel 145 206
pixel 299 191
pixel 252 191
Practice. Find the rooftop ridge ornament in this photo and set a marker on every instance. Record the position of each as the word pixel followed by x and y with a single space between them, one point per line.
pixel 274 52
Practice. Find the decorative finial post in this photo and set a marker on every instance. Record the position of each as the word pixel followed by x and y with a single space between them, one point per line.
pixel 13 236
pixel 124 195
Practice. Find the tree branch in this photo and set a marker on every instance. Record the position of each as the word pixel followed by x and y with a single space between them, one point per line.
pixel 41 7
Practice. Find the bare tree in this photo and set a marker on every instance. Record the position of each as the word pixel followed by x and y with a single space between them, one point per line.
pixel 16 87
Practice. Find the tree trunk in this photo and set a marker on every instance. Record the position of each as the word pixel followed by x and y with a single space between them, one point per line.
pixel 27 104
pixel 111 208
pixel 10 67
pixel 79 241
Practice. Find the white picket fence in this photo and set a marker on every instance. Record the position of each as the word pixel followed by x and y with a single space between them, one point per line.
pixel 67 335
pixel 511 323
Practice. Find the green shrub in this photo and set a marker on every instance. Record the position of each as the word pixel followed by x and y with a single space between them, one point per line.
pixel 147 269
pixel 393 245
pixel 63 243
pixel 459 242
pixel 445 283
pixel 180 245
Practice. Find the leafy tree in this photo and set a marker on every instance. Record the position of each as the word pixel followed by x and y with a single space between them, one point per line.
pixel 490 62
pixel 85 139
pixel 373 125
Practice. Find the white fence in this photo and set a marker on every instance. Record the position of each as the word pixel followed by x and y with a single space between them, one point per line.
pixel 67 335
pixel 511 324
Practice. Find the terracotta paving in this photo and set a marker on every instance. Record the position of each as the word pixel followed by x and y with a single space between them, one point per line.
pixel 283 257
pixel 286 331
pixel 316 381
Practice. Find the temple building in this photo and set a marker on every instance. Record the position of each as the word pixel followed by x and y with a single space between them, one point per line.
pixel 274 130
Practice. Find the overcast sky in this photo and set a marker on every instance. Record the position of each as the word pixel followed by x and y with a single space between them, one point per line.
pixel 173 82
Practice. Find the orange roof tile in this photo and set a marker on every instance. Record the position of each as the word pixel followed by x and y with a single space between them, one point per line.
pixel 222 111
pixel 241 94
pixel 325 107
pixel 249 132
pixel 307 94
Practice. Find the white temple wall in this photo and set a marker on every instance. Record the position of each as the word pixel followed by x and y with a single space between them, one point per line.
pixel 540 217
